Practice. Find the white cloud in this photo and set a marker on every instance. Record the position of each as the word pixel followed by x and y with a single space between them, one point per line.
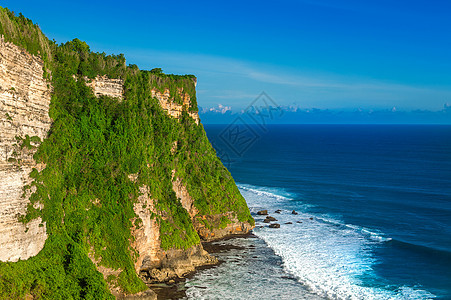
pixel 218 109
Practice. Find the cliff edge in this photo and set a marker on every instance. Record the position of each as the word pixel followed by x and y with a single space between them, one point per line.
pixel 107 178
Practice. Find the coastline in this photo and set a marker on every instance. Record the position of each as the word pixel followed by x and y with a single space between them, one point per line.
pixel 247 268
pixel 176 289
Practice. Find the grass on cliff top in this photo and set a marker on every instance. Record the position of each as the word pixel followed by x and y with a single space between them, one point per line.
pixel 92 147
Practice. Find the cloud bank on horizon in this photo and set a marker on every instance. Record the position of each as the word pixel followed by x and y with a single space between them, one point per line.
pixel 297 115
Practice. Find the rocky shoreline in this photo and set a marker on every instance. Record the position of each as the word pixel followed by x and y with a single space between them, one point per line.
pixel 167 279
pixel 174 287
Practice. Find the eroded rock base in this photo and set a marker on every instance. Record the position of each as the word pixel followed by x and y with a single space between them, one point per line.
pixel 176 264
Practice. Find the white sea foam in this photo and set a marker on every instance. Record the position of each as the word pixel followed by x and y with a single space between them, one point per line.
pixel 268 192
pixel 252 271
pixel 323 253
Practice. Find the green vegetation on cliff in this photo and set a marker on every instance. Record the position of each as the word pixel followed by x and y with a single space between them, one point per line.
pixel 93 146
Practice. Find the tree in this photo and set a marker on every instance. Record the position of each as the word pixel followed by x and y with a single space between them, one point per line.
pixel 156 71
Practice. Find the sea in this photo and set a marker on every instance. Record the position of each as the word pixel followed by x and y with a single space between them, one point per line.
pixel 365 213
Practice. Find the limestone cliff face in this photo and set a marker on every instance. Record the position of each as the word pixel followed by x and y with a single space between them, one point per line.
pixel 208 234
pixel 24 107
pixel 102 85
pixel 182 193
pixel 133 232
pixel 24 110
pixel 153 263
pixel 232 228
pixel 172 108
pixel 147 234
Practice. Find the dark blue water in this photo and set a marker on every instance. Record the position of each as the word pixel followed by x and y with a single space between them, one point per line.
pixel 380 196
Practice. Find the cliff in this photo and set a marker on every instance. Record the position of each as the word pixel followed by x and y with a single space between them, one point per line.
pixel 24 109
pixel 107 178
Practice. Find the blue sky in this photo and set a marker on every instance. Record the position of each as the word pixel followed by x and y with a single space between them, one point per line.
pixel 325 54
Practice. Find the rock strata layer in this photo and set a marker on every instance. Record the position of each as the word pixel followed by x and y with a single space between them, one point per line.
pixel 153 263
pixel 235 227
pixel 208 234
pixel 102 85
pixel 24 108
pixel 24 111
pixel 173 109
pixel 176 263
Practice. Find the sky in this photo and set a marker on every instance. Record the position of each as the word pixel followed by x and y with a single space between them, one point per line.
pixel 305 54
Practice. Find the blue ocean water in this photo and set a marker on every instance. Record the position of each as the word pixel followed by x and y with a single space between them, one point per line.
pixel 373 203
